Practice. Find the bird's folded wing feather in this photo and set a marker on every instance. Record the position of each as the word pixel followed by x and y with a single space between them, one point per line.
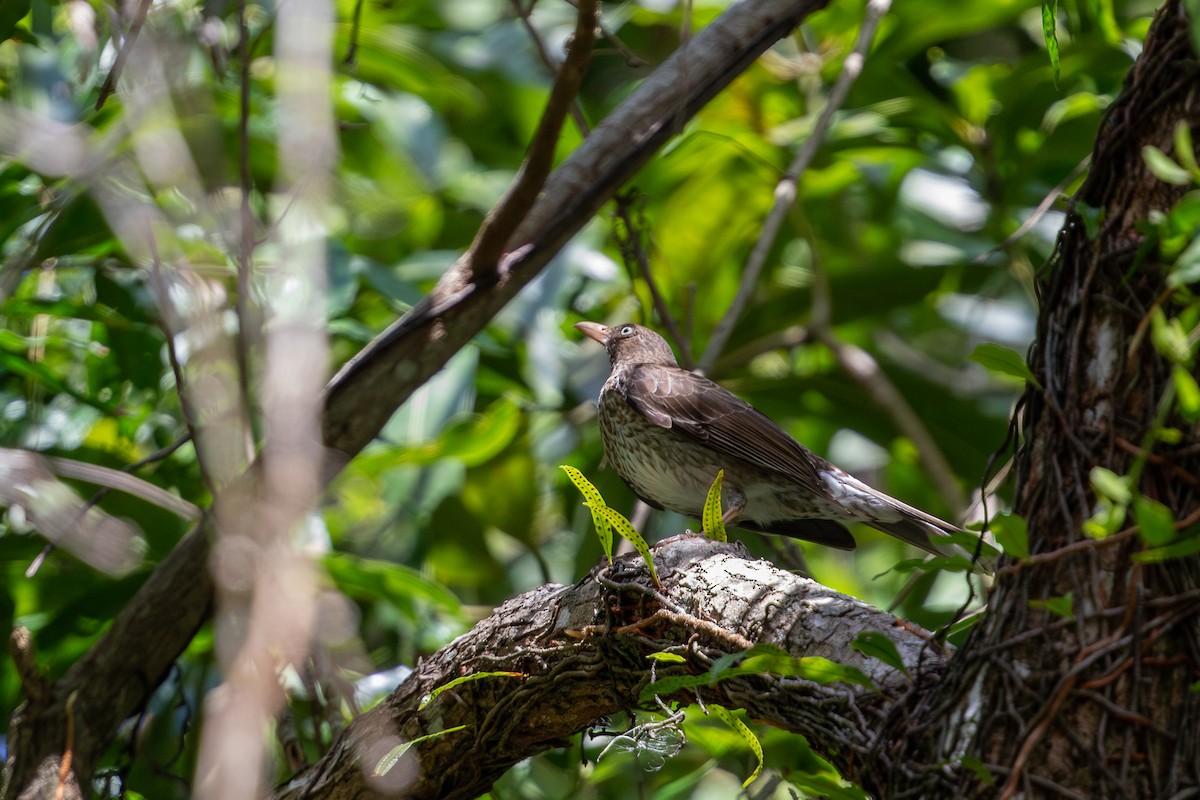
pixel 712 415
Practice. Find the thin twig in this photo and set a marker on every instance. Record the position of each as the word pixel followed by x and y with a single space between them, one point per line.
pixel 548 61
pixel 114 74
pixel 785 190
pixel 1039 212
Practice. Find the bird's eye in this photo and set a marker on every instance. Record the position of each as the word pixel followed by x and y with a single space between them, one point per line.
pixel 627 330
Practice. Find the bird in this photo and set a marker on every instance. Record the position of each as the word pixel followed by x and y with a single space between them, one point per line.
pixel 668 432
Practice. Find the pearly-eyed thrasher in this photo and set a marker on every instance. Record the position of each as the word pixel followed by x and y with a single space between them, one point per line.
pixel 668 431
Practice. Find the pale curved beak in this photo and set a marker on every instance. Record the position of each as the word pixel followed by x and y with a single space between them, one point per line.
pixel 593 330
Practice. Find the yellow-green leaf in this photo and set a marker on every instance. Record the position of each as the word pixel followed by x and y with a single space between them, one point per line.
pixel 474 676
pixel 668 658
pixel 1188 393
pixel 595 502
pixel 739 727
pixel 1184 150
pixel 1163 168
pixel 1108 484
pixel 389 760
pixel 1050 35
pixel 714 525
pixel 626 529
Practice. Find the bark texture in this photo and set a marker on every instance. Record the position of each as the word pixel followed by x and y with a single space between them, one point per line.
pixel 583 653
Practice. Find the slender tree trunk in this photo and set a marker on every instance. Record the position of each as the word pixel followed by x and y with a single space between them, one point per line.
pixel 1097 704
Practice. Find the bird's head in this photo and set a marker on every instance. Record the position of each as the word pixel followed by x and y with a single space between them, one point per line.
pixel 630 344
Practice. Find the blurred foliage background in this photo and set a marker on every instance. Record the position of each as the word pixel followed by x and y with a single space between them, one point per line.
pixel 912 212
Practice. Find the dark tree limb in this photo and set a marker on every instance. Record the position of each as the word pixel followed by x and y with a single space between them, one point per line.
pixel 117 677
pixel 583 651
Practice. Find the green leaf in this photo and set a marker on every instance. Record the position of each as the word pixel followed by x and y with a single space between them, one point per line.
pixel 472 439
pixel 474 676
pixel 1107 520
pixel 823 671
pixel 595 502
pixel 1186 269
pixel 981 771
pixel 1184 151
pixel 877 645
pixel 1012 533
pixel 667 658
pixel 1110 485
pixel 1050 34
pixel 1179 549
pixel 727 716
pixel 1063 606
pixel 1162 167
pixel 396 753
pixel 11 12
pixel 714 525
pixel 623 527
pixel 762 659
pixel 1187 393
pixel 374 579
pixel 1003 361
pixel 1156 523
pixel 1169 337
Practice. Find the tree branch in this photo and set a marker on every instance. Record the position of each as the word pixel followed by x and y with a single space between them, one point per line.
pixel 469 295
pixel 582 651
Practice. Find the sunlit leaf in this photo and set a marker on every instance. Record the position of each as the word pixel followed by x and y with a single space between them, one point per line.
pixel 1187 393
pixel 730 719
pixel 714 525
pixel 1169 337
pixel 1184 150
pixel 390 759
pixel 1050 34
pixel 623 527
pixel 595 503
pixel 1163 168
pixel 1110 485
pixel 459 681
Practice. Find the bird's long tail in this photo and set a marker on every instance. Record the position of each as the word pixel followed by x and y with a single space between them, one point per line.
pixel 909 524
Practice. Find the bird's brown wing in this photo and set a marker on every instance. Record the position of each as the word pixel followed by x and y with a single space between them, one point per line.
pixel 712 415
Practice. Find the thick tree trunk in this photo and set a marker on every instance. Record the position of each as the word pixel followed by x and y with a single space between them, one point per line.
pixel 1097 705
